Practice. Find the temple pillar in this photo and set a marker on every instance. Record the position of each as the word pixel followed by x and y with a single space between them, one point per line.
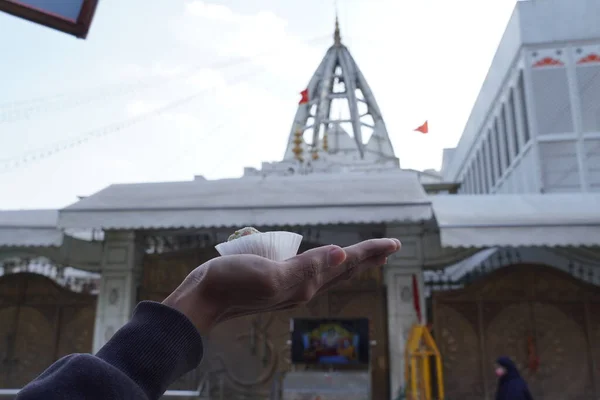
pixel 402 314
pixel 121 272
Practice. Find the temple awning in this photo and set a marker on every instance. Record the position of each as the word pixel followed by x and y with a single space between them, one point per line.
pixel 518 220
pixel 30 228
pixel 316 199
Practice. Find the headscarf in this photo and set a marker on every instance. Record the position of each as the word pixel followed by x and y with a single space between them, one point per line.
pixel 511 386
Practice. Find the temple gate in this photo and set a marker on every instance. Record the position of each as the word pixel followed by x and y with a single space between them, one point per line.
pixel 547 321
pixel 40 322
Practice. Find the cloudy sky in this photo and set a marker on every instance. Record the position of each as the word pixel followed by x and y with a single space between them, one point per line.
pixel 191 87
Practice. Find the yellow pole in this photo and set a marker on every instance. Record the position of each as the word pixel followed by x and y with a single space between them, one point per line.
pixel 413 373
pixel 426 377
pixel 440 378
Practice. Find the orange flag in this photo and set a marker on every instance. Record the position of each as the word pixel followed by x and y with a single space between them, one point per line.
pixel 423 128
pixel 304 98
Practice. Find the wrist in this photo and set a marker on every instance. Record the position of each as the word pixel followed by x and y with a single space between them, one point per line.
pixel 190 302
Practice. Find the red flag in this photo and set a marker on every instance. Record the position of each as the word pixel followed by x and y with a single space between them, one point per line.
pixel 423 128
pixel 304 95
pixel 416 297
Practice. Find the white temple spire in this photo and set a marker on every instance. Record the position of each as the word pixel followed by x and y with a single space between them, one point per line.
pixel 337 38
pixel 338 82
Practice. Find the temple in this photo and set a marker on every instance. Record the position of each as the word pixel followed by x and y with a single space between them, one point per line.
pixel 501 250
pixel 340 127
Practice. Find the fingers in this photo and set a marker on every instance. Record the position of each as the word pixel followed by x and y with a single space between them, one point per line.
pixel 300 277
pixel 372 248
pixel 305 275
pixel 311 264
pixel 359 258
pixel 372 262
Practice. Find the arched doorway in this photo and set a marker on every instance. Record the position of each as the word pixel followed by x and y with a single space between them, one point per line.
pixel 40 322
pixel 543 318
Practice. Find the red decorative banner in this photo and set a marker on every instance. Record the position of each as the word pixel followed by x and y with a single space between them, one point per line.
pixel 416 301
pixel 533 360
pixel 590 58
pixel 548 62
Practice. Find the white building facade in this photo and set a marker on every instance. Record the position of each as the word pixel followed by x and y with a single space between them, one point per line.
pixel 535 126
pixel 338 184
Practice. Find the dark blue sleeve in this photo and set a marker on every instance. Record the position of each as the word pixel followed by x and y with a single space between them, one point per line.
pixel 142 359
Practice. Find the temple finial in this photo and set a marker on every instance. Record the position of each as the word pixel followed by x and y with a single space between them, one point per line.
pixel 337 38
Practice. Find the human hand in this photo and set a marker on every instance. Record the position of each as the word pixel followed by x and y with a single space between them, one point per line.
pixel 233 286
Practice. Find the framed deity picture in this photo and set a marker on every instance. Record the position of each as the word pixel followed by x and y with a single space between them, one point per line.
pixel 69 16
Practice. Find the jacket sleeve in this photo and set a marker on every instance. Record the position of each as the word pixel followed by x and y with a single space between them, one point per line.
pixel 141 360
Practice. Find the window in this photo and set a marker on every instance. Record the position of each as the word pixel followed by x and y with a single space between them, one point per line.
pixel 489 156
pixel 483 169
pixel 499 158
pixel 588 85
pixel 550 89
pixel 513 121
pixel 504 133
pixel 477 176
pixel 524 109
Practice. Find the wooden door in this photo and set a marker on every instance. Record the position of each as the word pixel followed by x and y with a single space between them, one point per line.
pixel 526 312
pixel 40 322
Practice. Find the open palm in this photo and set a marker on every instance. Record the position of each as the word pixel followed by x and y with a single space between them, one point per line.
pixel 232 286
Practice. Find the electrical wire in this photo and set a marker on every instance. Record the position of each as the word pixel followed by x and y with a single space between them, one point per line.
pixel 20 110
pixel 37 155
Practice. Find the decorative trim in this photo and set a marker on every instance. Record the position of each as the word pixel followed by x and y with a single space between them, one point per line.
pixel 589 59
pixel 548 62
pixel 113 296
pixel 406 294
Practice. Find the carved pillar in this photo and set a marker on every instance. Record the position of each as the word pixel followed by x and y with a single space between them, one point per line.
pixel 121 271
pixel 400 298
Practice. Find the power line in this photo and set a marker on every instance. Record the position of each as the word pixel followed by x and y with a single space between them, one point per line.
pixel 37 155
pixel 19 110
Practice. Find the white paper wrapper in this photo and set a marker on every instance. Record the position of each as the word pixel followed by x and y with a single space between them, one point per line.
pixel 276 246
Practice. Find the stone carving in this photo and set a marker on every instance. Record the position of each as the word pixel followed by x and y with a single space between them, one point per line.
pixel 406 294
pixel 113 296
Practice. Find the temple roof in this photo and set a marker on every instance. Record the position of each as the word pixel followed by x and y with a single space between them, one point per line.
pixel 341 107
pixel 29 228
pixel 315 199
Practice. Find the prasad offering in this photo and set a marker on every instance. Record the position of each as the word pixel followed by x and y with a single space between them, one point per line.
pixel 276 246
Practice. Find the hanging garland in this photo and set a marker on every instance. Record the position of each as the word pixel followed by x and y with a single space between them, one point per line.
pixel 532 356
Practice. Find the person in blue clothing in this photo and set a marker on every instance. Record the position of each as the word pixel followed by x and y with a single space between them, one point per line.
pixel 511 386
pixel 163 341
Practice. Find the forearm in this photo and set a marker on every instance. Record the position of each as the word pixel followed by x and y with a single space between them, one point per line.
pixel 142 359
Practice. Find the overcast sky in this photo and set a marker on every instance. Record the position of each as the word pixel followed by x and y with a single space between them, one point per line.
pixel 232 70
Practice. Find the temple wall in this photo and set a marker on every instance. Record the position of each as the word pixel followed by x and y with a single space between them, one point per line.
pixel 121 269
